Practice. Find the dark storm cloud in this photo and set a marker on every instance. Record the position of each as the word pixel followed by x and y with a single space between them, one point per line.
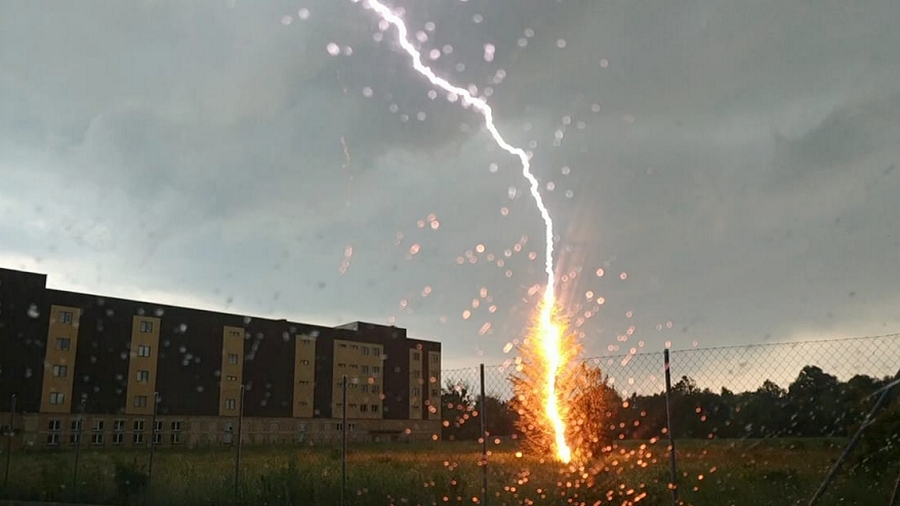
pixel 734 159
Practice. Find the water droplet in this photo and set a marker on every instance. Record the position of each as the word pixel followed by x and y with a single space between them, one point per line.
pixel 286 20
pixel 33 311
pixel 367 92
pixel 303 13
pixel 333 49
pixel 604 63
pixel 477 18
pixel 561 43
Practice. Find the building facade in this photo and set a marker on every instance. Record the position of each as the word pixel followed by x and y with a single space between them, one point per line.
pixel 110 372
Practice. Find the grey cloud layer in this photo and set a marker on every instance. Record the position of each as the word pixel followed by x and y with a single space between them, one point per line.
pixel 740 169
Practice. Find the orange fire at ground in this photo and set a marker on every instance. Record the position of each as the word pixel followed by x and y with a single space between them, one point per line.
pixel 550 336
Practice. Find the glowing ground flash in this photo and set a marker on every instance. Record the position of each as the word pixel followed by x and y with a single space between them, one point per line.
pixel 549 332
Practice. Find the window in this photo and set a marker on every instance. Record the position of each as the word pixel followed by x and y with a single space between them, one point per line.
pixel 416 356
pixel 342 345
pixel 364 387
pixel 53 438
pixel 304 362
pixel 74 438
pixel 60 371
pixel 354 366
pixel 138 433
pixel 354 347
pixel 118 438
pixel 231 378
pixel 75 426
pixel 54 425
pixel 364 369
pixel 306 342
pixel 230 404
pixel 140 401
pixel 176 438
pixel 417 374
pixel 63 343
pixel 98 425
pixel 365 350
pixel 232 358
pixel 415 391
pixel 176 426
pixel 159 426
pixel 376 351
pixel 376 369
pixel 374 408
pixel 303 403
pixel 375 389
pixel 435 392
pixel 143 350
pixel 235 333
pixel 65 317
pixel 415 406
pixel 435 358
pixel 341 364
pixel 146 327
pixel 143 376
pixel 118 425
pixel 340 426
pixel 97 438
pixel 303 382
pixel 364 408
pixel 57 398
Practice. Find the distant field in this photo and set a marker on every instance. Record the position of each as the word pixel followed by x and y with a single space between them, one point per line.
pixel 771 472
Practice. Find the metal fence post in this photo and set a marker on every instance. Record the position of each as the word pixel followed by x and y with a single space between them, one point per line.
pixel 152 442
pixel 80 430
pixel 9 435
pixel 237 459
pixel 344 430
pixel 882 400
pixel 483 415
pixel 674 469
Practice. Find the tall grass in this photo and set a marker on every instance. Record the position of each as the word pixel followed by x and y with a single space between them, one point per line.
pixel 711 473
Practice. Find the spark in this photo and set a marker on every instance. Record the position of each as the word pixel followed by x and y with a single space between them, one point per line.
pixel 549 331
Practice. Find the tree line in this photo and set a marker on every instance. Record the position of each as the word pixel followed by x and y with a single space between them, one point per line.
pixel 815 404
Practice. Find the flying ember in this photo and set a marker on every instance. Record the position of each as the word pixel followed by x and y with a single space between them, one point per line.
pixel 549 333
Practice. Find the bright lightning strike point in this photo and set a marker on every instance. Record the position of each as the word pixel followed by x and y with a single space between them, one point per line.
pixel 549 332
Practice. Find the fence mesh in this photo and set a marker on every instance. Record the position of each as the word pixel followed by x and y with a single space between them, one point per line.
pixel 751 424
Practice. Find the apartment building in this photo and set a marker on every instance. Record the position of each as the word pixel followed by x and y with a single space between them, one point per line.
pixel 111 372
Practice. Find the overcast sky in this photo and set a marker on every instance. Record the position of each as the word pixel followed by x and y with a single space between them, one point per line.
pixel 735 159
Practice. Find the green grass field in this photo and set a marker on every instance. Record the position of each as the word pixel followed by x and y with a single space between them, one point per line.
pixel 771 472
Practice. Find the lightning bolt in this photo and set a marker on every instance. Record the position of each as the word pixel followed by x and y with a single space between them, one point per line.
pixel 550 334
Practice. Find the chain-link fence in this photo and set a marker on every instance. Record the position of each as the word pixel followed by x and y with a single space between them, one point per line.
pixel 762 424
